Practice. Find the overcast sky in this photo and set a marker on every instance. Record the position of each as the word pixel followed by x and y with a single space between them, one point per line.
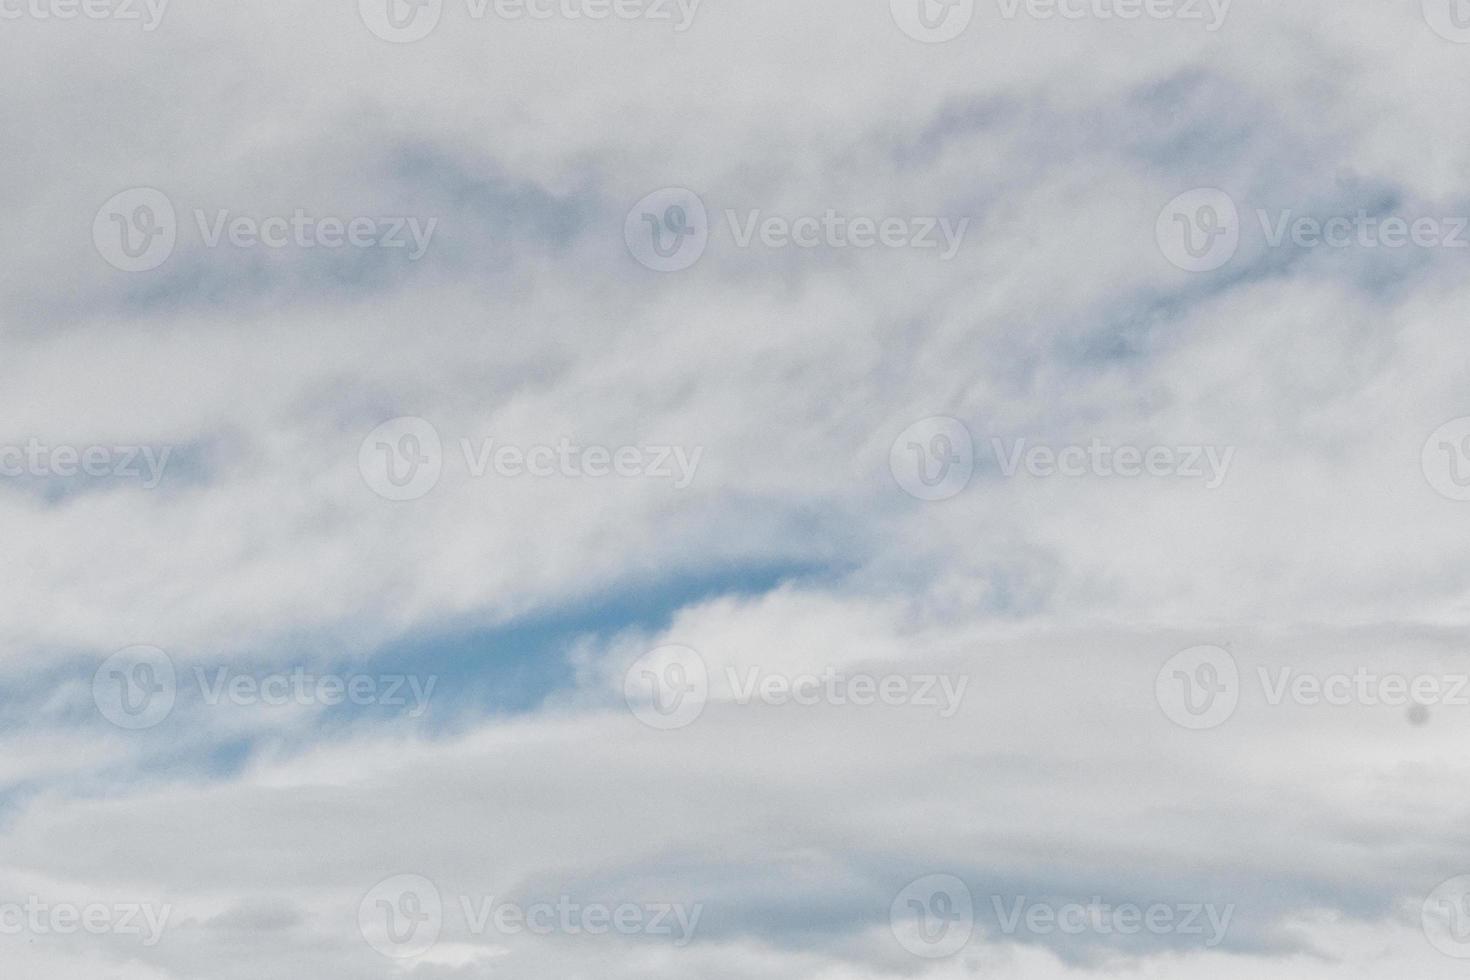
pixel 849 489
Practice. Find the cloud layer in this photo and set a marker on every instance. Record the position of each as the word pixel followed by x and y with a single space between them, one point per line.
pixel 915 548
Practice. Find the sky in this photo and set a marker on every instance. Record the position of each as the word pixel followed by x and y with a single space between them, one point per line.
pixel 854 490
